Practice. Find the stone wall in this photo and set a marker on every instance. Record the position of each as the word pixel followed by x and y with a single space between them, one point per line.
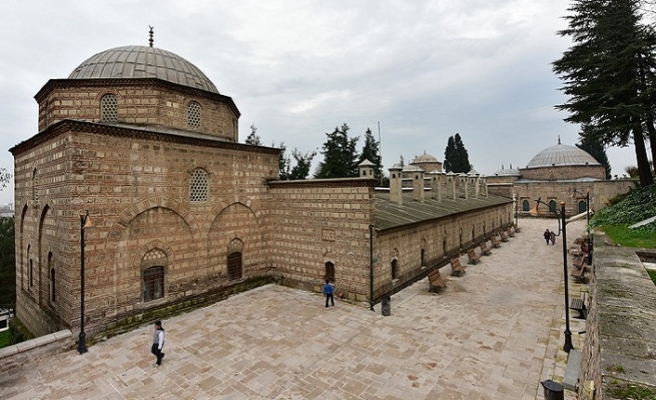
pixel 31 350
pixel 560 172
pixel 618 354
pixel 320 221
pixel 140 102
pixel 432 244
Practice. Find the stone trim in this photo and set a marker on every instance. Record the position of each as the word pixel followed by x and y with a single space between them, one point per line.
pixel 68 126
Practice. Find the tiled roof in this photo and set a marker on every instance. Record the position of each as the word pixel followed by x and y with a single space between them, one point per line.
pixel 391 215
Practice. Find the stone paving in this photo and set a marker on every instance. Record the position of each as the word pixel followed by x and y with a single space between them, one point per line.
pixel 493 333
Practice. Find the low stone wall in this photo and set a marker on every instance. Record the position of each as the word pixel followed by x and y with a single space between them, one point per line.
pixel 619 354
pixel 31 350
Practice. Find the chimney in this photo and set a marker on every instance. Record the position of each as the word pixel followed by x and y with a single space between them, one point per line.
pixel 418 184
pixel 483 179
pixel 462 181
pixel 396 189
pixel 366 168
pixel 436 185
pixel 451 185
pixel 477 184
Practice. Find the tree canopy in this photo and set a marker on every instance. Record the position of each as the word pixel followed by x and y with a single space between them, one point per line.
pixel 340 156
pixel 608 74
pixel 371 152
pixel 592 145
pixel 456 157
pixel 7 264
pixel 4 177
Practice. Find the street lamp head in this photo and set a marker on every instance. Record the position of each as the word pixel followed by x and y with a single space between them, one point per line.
pixel 86 220
pixel 534 211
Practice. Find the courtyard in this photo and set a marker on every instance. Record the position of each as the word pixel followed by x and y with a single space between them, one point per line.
pixel 493 333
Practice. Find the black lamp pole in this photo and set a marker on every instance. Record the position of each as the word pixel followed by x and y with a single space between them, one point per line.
pixel 568 333
pixel 371 267
pixel 561 221
pixel 82 344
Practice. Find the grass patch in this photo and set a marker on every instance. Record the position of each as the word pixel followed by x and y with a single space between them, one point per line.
pixel 4 339
pixel 622 235
pixel 652 275
pixel 632 391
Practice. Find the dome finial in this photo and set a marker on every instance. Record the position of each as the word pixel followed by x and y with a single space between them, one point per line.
pixel 151 33
pixel 558 139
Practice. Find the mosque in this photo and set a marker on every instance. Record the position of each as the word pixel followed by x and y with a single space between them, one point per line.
pixel 136 197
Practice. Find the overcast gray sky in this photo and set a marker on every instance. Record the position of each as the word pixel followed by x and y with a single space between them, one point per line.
pixel 423 69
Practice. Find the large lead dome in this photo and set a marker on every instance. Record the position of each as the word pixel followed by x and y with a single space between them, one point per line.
pixel 143 62
pixel 561 155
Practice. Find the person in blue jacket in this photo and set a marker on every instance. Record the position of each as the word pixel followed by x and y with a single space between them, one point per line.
pixel 328 292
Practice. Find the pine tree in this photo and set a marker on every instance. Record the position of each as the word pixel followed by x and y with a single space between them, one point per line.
pixel 371 152
pixel 456 157
pixel 253 138
pixel 609 74
pixel 462 156
pixel 340 156
pixel 283 162
pixel 591 144
pixel 301 169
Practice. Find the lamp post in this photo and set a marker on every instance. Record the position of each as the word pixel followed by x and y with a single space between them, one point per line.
pixel 562 227
pixel 371 267
pixel 85 222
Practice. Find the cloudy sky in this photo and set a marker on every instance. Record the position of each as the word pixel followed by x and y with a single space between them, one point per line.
pixel 424 70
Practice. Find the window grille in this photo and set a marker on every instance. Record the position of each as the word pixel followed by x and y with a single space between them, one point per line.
pixel 234 266
pixel 193 115
pixel 198 188
pixel 153 283
pixel 109 109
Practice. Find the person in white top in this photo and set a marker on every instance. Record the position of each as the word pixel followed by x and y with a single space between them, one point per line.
pixel 158 343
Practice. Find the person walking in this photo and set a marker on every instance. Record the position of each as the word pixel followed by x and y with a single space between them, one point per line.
pixel 552 236
pixel 328 292
pixel 158 342
pixel 547 236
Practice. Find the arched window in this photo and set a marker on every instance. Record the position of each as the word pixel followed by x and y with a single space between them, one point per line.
pixel 234 266
pixel 31 273
pixel 235 263
pixel 582 207
pixel 109 109
pixel 526 206
pixel 153 283
pixel 193 115
pixel 153 267
pixel 552 206
pixel 395 269
pixel 198 186
pixel 330 272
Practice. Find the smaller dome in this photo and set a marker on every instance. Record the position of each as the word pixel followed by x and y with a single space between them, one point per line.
pixel 424 158
pixel 561 155
pixel 507 172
